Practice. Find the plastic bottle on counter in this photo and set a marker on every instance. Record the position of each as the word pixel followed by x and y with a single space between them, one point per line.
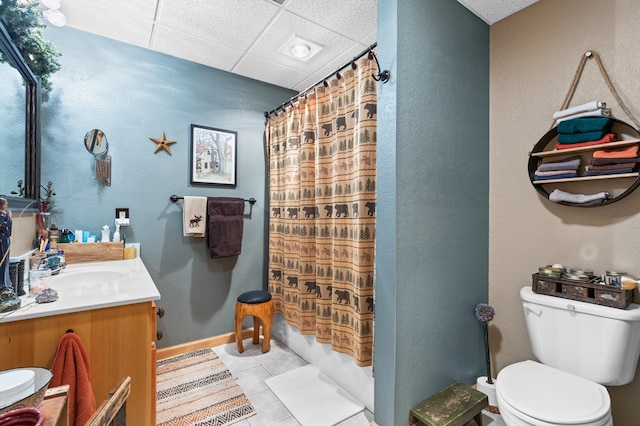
pixel 116 234
pixel 106 234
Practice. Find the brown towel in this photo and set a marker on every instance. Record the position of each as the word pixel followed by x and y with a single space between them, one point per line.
pixel 224 223
pixel 71 367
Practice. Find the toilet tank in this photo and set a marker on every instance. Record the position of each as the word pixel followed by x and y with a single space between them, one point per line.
pixel 598 343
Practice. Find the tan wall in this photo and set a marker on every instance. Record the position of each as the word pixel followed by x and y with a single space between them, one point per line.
pixel 534 55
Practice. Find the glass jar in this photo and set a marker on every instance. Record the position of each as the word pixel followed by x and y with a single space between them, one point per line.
pixel 39 279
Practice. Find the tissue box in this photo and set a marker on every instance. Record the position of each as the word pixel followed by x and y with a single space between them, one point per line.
pixel 92 252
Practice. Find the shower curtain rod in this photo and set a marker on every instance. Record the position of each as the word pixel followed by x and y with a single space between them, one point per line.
pixel 381 76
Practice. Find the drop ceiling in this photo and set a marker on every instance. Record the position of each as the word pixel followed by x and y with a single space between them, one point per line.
pixel 244 36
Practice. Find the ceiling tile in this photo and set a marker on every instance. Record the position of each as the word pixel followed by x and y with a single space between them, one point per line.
pixel 243 36
pixel 330 68
pixel 185 46
pixel 269 72
pixel 492 11
pixel 369 39
pixel 145 9
pixel 352 19
pixel 308 82
pixel 341 60
pixel 232 23
pixel 286 25
pixel 97 19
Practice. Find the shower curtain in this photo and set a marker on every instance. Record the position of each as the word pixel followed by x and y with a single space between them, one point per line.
pixel 322 190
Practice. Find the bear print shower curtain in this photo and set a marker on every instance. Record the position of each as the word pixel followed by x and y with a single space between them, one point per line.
pixel 322 186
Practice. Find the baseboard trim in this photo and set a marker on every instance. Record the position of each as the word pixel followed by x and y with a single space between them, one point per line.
pixel 209 342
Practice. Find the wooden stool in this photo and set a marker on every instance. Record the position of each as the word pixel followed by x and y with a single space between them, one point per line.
pixel 259 305
pixel 454 406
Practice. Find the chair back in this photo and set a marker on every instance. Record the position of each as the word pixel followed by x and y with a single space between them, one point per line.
pixel 112 411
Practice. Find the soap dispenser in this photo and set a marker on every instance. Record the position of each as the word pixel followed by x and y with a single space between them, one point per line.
pixel 116 235
pixel 106 233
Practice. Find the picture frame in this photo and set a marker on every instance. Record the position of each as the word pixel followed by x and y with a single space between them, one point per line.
pixel 213 159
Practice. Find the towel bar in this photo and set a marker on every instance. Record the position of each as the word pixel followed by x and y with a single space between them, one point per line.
pixel 174 198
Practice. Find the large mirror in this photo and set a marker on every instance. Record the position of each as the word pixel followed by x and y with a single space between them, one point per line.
pixel 19 127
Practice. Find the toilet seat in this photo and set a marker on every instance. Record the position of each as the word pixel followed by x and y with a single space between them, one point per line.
pixel 539 394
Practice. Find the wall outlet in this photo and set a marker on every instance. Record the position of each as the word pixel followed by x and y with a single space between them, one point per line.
pixel 122 213
pixel 122 216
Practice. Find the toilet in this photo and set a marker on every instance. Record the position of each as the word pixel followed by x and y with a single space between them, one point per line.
pixel 579 348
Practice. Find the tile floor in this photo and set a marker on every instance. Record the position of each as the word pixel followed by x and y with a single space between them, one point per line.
pixel 252 367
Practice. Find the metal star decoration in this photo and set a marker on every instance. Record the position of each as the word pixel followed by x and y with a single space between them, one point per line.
pixel 162 144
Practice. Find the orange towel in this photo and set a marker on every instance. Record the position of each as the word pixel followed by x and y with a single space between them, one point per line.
pixel 71 367
pixel 630 152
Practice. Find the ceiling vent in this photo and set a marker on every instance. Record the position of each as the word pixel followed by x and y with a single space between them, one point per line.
pixel 299 48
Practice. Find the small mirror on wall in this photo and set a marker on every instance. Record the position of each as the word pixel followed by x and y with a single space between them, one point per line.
pixel 95 141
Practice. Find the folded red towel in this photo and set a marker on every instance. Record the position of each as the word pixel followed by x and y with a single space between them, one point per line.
pixel 609 137
pixel 71 367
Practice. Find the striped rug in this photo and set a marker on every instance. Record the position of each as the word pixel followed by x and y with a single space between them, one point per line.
pixel 195 388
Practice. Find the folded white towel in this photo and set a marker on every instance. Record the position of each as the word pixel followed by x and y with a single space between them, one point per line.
pixel 194 216
pixel 602 112
pixel 589 106
pixel 558 196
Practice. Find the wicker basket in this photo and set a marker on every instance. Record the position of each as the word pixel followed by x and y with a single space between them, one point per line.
pixel 590 292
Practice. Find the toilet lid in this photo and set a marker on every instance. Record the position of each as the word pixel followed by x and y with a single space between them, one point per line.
pixel 551 395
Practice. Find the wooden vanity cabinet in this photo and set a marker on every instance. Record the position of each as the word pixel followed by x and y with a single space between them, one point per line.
pixel 120 342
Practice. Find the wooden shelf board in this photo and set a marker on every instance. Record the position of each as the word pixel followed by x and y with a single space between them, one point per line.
pixel 608 145
pixel 586 178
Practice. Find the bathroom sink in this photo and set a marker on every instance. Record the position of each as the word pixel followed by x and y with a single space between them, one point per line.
pixel 89 286
pixel 90 276
pixel 95 280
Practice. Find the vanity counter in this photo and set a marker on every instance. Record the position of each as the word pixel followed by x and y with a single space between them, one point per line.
pixel 88 286
pixel 111 306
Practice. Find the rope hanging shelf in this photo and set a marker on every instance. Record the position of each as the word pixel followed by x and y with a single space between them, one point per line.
pixel 628 134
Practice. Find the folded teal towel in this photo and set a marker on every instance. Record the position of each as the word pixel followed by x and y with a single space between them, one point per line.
pixel 585 124
pixel 570 138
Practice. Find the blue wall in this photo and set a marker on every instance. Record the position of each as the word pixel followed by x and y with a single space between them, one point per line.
pixel 433 189
pixel 133 94
pixel 432 234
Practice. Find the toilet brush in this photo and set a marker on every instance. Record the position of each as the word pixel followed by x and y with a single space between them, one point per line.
pixel 486 385
pixel 484 314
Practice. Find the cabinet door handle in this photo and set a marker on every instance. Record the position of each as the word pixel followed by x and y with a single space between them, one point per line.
pixel 159 335
pixel 160 312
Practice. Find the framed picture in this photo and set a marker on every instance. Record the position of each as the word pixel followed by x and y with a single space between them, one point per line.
pixel 213 156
